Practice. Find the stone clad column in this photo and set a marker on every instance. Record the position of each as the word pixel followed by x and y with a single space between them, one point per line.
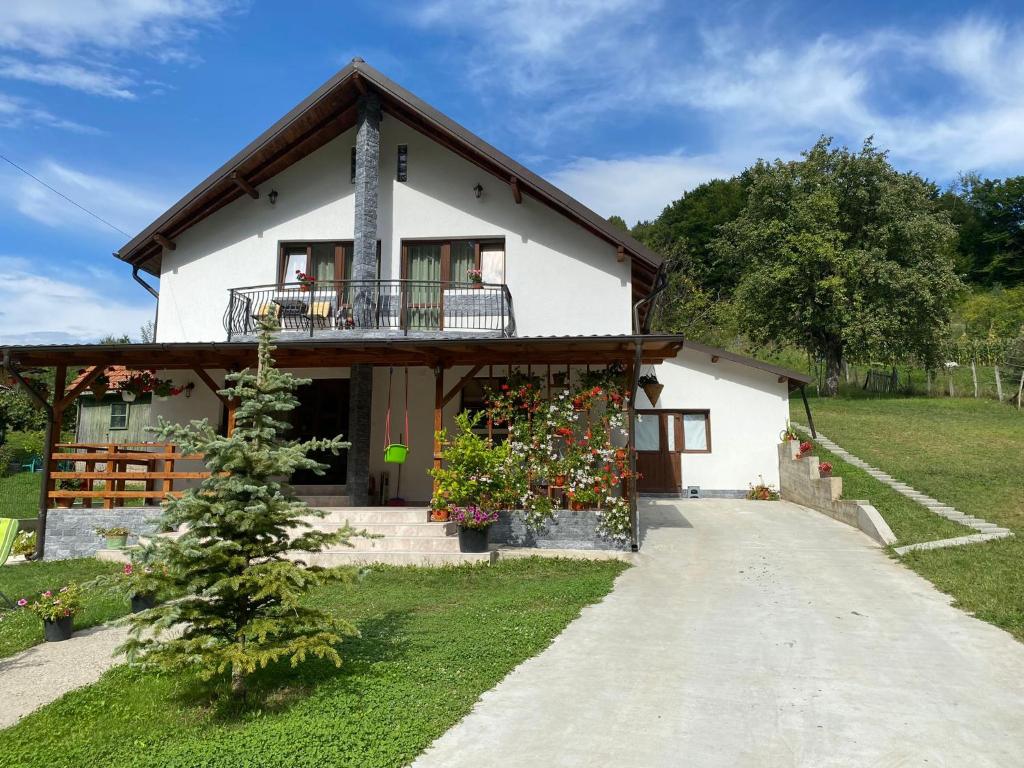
pixel 364 272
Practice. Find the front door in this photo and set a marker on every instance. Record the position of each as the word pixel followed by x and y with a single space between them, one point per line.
pixel 659 443
pixel 322 412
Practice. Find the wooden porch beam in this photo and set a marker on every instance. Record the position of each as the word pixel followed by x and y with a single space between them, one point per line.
pixel 517 193
pixel 79 388
pixel 244 185
pixel 214 387
pixel 164 242
pixel 438 417
pixel 461 384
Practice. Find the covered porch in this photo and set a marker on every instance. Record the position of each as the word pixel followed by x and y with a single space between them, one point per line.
pixel 439 372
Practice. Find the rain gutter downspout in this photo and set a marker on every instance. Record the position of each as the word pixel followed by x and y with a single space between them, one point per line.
pixel 660 283
pixel 152 291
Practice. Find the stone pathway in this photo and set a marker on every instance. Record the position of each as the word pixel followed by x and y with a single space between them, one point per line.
pixel 45 672
pixel 986 531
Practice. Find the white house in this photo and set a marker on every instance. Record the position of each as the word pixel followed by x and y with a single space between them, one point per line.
pixel 355 221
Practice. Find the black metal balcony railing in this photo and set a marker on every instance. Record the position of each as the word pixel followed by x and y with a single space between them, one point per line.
pixel 335 306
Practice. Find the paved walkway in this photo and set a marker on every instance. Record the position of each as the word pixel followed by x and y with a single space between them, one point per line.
pixel 756 634
pixel 46 672
pixel 986 531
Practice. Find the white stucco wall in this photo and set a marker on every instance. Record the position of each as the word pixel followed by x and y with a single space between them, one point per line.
pixel 563 280
pixel 748 408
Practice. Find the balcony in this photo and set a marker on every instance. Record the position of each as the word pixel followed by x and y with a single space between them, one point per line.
pixel 371 308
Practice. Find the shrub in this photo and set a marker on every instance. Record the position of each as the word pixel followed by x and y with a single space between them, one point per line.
pixel 19 449
pixel 25 544
pixel 762 491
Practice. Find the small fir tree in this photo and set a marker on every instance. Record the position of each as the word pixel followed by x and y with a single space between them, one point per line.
pixel 241 606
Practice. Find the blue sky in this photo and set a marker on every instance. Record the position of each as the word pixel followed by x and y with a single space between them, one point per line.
pixel 126 104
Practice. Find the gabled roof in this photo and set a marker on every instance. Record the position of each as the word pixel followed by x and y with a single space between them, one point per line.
pixel 327 113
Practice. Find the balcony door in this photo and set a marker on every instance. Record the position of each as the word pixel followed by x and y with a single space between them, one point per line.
pixel 432 267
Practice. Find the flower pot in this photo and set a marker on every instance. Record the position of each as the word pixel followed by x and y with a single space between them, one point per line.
pixel 620 454
pixel 61 629
pixel 142 602
pixel 559 481
pixel 128 397
pixel 115 542
pixel 439 515
pixel 65 503
pixel 304 288
pixel 653 391
pixel 558 379
pixel 472 539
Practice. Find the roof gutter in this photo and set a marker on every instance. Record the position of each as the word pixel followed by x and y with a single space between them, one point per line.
pixel 660 284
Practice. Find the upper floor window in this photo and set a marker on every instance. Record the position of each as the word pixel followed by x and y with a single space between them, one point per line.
pixel 450 261
pixel 324 260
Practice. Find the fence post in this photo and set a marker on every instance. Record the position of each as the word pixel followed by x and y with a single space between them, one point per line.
pixel 999 384
pixel 929 372
pixel 1020 388
pixel 974 377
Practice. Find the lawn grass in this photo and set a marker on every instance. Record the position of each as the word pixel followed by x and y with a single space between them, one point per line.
pixel 965 452
pixel 21 629
pixel 911 522
pixel 19 494
pixel 432 641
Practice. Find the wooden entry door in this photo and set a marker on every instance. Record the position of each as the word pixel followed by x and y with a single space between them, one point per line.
pixel 659 447
pixel 322 412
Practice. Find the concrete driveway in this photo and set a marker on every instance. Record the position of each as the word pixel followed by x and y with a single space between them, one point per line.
pixel 756 634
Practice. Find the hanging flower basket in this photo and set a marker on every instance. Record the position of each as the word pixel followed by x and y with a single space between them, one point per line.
pixel 128 397
pixel 649 383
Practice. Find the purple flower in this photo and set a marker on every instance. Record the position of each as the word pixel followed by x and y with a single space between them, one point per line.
pixel 22 603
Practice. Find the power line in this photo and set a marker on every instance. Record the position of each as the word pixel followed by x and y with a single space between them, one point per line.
pixel 61 194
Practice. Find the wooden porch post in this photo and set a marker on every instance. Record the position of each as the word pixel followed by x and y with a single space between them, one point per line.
pixel 54 419
pixel 633 374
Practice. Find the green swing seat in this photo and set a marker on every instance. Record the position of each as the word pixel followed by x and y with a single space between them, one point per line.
pixel 396 453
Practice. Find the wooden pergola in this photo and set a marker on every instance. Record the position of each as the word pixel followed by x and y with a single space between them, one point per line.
pixel 529 354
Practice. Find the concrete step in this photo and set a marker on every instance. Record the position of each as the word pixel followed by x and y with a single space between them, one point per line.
pixel 320 490
pixel 410 530
pixel 334 558
pixel 322 501
pixel 417 544
pixel 359 516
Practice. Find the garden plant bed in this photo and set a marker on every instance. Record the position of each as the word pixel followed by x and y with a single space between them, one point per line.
pixel 432 641
pixel 963 452
pixel 20 629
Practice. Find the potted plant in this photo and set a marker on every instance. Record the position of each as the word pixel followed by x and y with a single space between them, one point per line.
pixel 762 491
pixel 805 447
pixel 114 538
pixel 558 380
pixel 135 385
pixel 473 524
pixel 825 469
pixel 164 389
pixel 69 485
pixel 439 515
pixel 25 545
pixel 306 282
pixel 141 587
pixel 57 610
pixel 652 388
pixel 99 386
pixel 475 276
pixel 789 434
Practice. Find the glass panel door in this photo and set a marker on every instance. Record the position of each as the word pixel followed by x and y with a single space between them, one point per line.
pixel 463 259
pixel 423 297
pixel 648 432
pixel 294 261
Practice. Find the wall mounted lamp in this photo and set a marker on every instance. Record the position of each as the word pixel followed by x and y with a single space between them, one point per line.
pixel 272 197
pixel 479 190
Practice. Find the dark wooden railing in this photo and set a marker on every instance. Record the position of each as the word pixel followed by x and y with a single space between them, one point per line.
pixel 336 306
pixel 116 465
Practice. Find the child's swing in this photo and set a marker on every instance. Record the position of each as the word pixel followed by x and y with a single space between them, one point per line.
pixel 396 453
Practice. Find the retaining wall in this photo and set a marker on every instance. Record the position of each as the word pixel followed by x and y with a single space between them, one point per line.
pixel 566 530
pixel 72 532
pixel 801 482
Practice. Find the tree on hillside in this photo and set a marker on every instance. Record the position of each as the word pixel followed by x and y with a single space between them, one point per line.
pixel 843 256
pixel 241 604
pixel 619 222
pixel 989 214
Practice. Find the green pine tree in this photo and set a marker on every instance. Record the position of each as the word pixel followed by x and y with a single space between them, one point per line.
pixel 241 606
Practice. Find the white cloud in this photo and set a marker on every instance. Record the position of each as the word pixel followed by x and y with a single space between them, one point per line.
pixel 638 188
pixel 98 81
pixel 75 43
pixel 126 205
pixel 943 99
pixel 41 308
pixel 15 113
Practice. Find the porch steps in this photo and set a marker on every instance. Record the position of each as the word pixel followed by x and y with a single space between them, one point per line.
pixel 401 536
pixel 323 496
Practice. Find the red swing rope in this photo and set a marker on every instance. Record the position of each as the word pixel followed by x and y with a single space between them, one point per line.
pixel 387 418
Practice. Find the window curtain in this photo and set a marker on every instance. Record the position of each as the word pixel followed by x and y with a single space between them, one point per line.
pixel 463 259
pixel 322 262
pixel 423 290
